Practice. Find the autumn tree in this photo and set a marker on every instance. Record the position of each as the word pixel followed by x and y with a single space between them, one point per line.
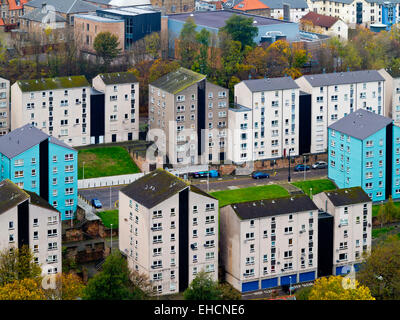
pixel 382 217
pixel 106 45
pixel 203 287
pixel 241 29
pixel 339 288
pixel 18 264
pixel 24 289
pixel 68 286
pixel 153 45
pixel 227 292
pixel 381 270
pixel 187 44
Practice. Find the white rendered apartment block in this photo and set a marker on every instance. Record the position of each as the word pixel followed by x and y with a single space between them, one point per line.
pixel 27 219
pixel 334 95
pixel 59 107
pixel 351 209
pixel 4 106
pixel 189 116
pixel 264 122
pixel 121 105
pixel 268 243
pixel 168 230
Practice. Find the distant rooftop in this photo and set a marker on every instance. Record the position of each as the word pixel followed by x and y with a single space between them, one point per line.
pixel 122 3
pixel 320 19
pixel 129 11
pixel 10 195
pixel 337 78
pixel 216 19
pixel 347 196
pixel 178 80
pixel 53 83
pixel 271 84
pixel 360 124
pixel 39 14
pixel 273 207
pixel 65 6
pixel 157 186
pixel 238 108
pixel 118 77
pixel 24 138
pixel 260 4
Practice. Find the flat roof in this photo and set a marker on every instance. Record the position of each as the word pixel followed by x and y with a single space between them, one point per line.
pixel 128 11
pixel 216 19
pixel 238 108
pixel 97 18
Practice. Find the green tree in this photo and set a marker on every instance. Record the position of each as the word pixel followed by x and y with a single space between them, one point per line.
pixel 107 47
pixel 339 288
pixel 112 283
pixel 303 293
pixel 153 44
pixel 201 64
pixel 18 264
pixel 187 44
pixel 241 29
pixel 203 287
pixel 381 270
pixel 227 292
pixel 392 212
pixel 382 217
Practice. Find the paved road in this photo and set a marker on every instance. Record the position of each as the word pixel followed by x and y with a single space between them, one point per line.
pixel 103 194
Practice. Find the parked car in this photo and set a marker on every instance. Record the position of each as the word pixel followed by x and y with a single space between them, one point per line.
pixel 301 167
pixel 320 165
pixel 205 174
pixel 96 203
pixel 259 175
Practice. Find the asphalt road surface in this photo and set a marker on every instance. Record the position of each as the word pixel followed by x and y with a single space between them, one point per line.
pixel 103 194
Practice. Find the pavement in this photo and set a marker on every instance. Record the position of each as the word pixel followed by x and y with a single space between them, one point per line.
pixel 103 194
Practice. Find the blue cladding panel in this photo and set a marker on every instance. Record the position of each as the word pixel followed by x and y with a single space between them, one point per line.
pixel 286 279
pixel 269 283
pixel 249 286
pixel 307 276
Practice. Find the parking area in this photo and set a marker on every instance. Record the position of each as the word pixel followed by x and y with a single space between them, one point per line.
pixel 108 196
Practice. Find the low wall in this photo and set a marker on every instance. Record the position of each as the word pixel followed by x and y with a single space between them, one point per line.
pixel 109 181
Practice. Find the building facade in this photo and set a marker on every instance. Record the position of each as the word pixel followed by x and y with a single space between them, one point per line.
pixel 121 107
pixel 264 122
pixel 190 117
pixel 335 95
pixel 168 230
pixel 38 163
pixel 269 243
pixel 351 209
pixel 27 219
pixel 364 150
pixel 4 106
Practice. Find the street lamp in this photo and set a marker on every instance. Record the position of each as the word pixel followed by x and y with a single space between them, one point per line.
pixel 289 167
pixel 304 163
pixel 290 285
pixel 111 238
pixel 83 174
pixel 311 193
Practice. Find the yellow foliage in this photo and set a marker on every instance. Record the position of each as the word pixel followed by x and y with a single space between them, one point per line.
pixel 339 288
pixel 25 289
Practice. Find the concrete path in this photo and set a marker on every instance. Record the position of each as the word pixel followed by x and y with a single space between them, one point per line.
pixel 293 190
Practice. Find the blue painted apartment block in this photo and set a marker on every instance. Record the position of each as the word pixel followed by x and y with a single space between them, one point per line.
pixel 364 150
pixel 389 11
pixel 42 164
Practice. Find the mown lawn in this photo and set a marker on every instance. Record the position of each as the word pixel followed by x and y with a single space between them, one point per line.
pixel 375 208
pixel 380 231
pixel 226 197
pixel 102 162
pixel 316 185
pixel 108 217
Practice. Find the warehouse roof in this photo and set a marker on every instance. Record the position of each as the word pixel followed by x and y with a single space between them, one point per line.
pixel 24 138
pixel 273 207
pixel 178 80
pixel 10 195
pixel 337 78
pixel 360 124
pixel 271 84
pixel 53 83
pixel 347 196
pixel 94 17
pixel 118 77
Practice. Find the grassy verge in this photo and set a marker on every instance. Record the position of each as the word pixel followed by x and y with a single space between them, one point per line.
pixel 108 217
pixel 380 231
pixel 316 185
pixel 226 197
pixel 102 162
pixel 375 208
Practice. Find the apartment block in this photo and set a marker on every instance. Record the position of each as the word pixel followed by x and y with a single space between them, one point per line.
pixel 168 229
pixel 350 234
pixel 4 106
pixel 364 150
pixel 58 106
pixel 335 95
pixel 38 163
pixel 396 100
pixel 189 116
pixel 264 121
pixel 269 243
pixel 27 219
pixel 119 111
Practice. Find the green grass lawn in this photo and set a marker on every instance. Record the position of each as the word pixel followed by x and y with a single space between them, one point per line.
pixel 375 208
pixel 108 217
pixel 316 185
pixel 226 197
pixel 378 232
pixel 102 162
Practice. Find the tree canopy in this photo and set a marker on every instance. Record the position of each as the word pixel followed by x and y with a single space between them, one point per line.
pixel 106 45
pixel 203 287
pixel 241 29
